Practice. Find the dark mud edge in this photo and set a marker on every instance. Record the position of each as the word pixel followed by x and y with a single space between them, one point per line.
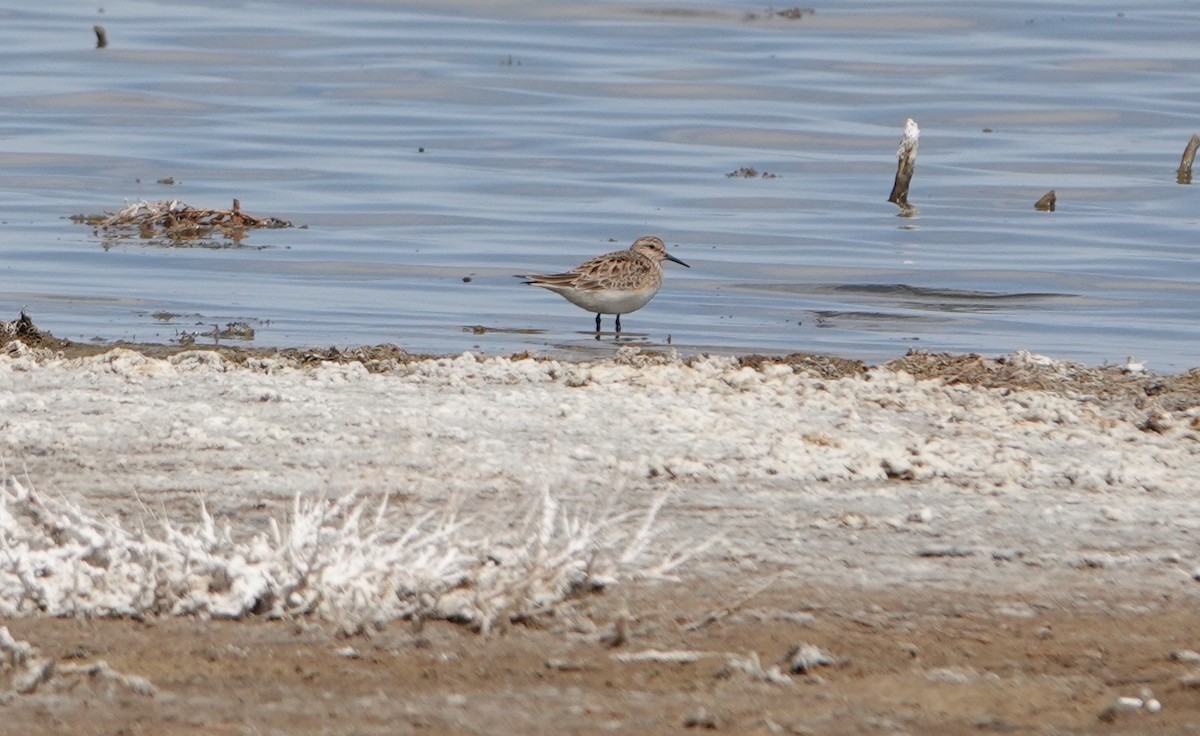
pixel 1142 390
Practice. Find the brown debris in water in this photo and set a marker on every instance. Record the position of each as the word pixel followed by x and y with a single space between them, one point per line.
pixel 178 221
pixel 795 13
pixel 19 329
pixel 23 329
pixel 231 330
pixel 749 172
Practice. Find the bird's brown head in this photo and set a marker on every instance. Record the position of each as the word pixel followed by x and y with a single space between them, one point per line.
pixel 654 248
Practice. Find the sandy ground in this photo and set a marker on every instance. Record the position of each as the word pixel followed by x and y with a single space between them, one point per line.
pixel 905 663
pixel 974 545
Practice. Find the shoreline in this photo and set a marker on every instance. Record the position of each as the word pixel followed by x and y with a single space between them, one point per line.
pixel 921 438
pixel 968 367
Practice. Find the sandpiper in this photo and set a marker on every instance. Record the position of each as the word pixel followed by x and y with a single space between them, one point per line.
pixel 617 283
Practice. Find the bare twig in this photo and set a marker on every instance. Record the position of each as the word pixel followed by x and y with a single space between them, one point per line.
pixel 101 672
pixel 670 656
pixel 31 671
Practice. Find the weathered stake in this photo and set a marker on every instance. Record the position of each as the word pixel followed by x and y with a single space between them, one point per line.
pixel 907 162
pixel 101 37
pixel 1189 155
pixel 1047 202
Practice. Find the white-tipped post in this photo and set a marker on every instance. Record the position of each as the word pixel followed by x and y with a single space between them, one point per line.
pixel 907 155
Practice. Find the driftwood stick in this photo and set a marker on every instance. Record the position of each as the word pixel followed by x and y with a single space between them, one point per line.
pixel 1189 155
pixel 1047 202
pixel 907 162
pixel 101 37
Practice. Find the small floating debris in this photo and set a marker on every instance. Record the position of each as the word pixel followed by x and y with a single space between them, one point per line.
pixel 749 172
pixel 795 13
pixel 483 330
pixel 231 331
pixel 101 37
pixel 178 222
pixel 1047 203
pixel 788 14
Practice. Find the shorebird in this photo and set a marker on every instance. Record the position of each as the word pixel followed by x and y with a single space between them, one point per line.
pixel 617 283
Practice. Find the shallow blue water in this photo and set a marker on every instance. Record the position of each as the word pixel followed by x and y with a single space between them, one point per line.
pixel 421 143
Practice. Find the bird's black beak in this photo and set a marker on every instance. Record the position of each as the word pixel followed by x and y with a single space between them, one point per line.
pixel 670 257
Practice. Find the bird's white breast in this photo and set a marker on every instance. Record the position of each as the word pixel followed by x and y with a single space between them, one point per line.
pixel 609 301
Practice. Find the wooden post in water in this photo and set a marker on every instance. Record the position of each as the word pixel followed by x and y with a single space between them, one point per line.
pixel 1185 166
pixel 907 162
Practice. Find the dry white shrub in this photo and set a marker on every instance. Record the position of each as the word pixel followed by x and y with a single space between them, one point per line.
pixel 347 560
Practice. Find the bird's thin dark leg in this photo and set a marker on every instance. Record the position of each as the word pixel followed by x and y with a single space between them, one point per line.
pixel 618 323
pixel 597 323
